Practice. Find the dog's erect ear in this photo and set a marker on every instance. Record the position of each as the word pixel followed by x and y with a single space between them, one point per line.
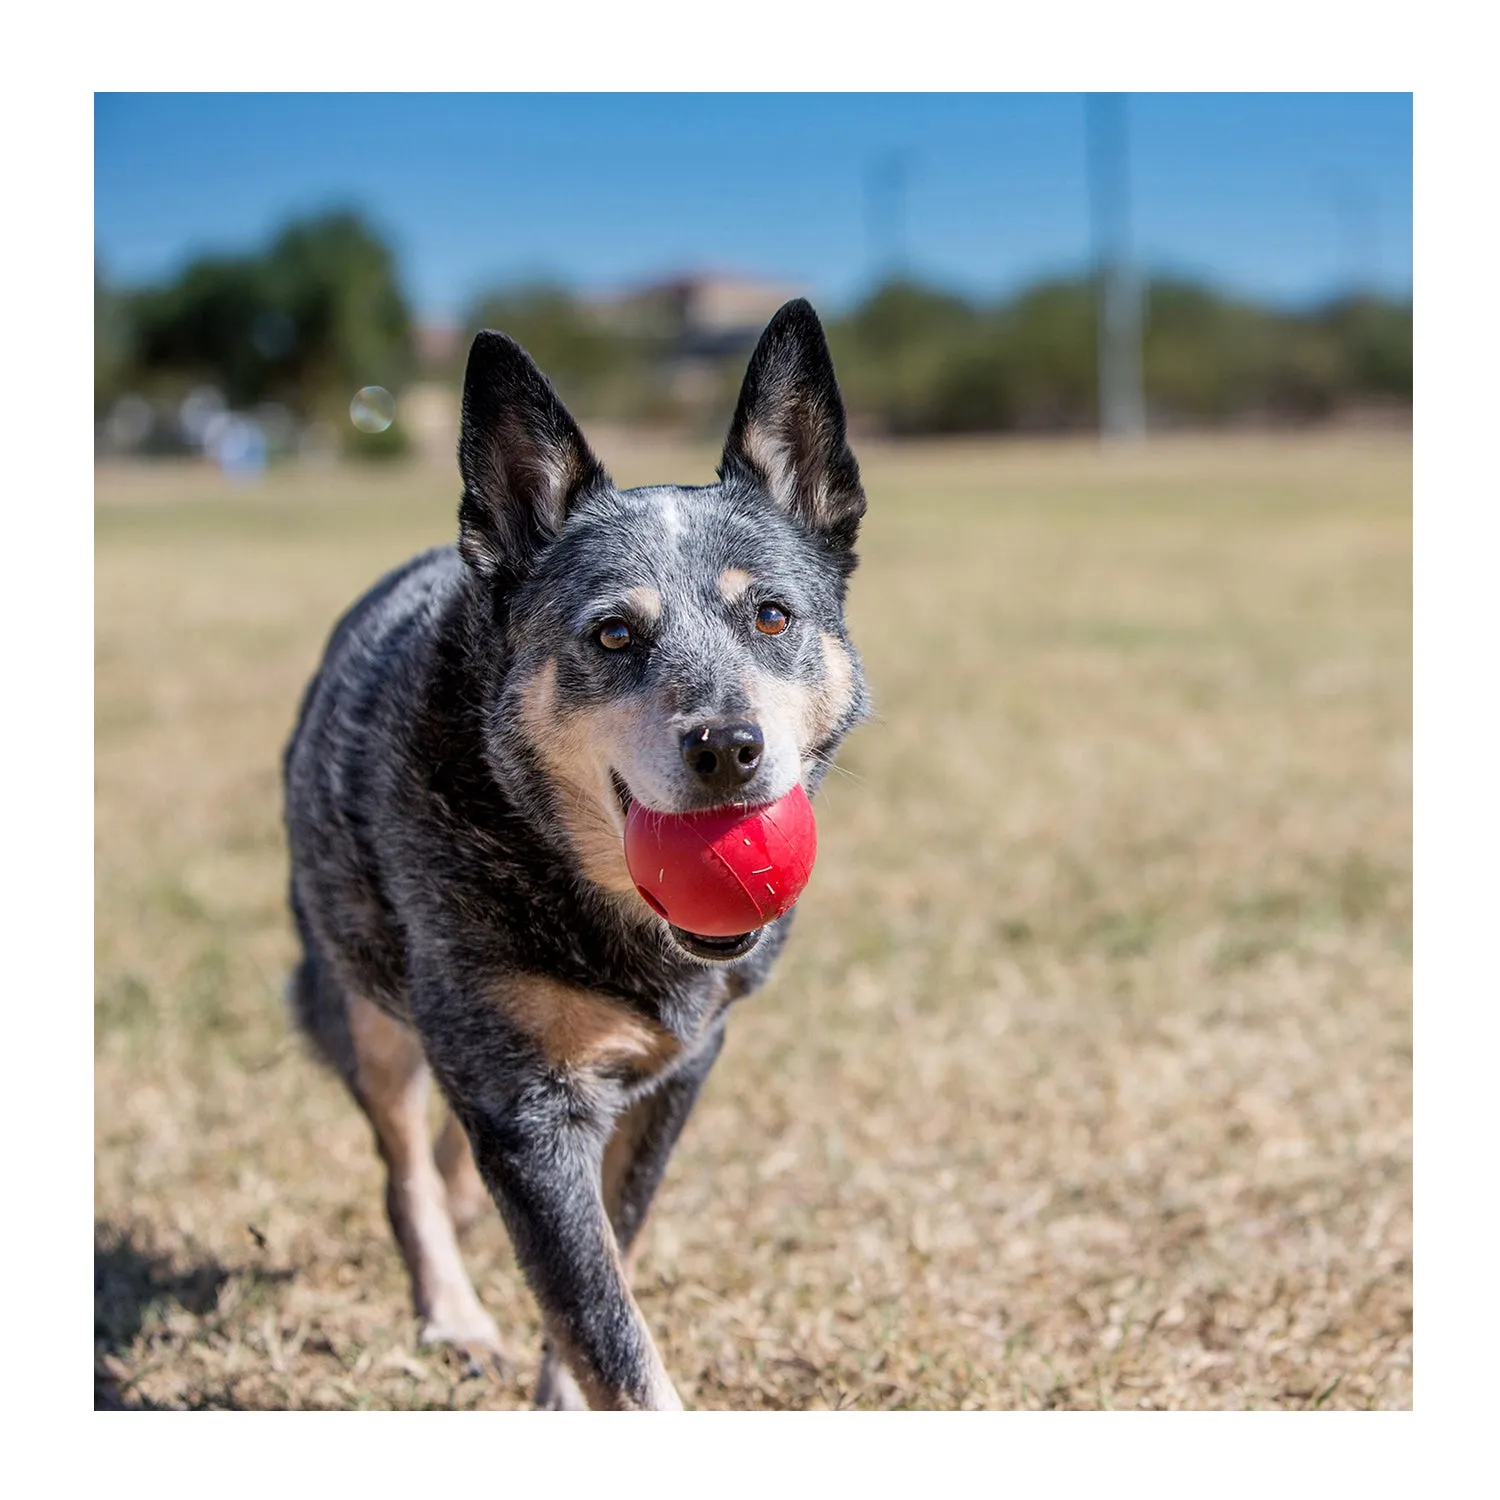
pixel 523 460
pixel 788 430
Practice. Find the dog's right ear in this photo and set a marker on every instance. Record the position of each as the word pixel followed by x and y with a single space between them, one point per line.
pixel 523 460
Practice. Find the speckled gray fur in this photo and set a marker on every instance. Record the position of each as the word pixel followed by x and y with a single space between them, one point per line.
pixel 434 864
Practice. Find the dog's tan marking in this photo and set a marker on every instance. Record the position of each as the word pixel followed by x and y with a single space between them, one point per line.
pixel 811 710
pixel 772 455
pixel 580 1030
pixel 782 701
pixel 391 1084
pixel 836 691
pixel 571 746
pixel 732 583
pixel 646 602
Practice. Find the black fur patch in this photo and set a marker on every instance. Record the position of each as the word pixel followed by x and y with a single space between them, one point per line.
pixel 523 459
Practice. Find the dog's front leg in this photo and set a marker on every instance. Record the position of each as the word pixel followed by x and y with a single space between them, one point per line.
pixel 538 1129
pixel 635 1159
pixel 543 1165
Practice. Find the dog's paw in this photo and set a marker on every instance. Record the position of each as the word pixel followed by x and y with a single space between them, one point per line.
pixel 475 1347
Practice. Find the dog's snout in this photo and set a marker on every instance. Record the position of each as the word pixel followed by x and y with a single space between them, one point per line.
pixel 724 753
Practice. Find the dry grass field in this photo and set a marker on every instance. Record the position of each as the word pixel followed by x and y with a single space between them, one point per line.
pixel 1086 1081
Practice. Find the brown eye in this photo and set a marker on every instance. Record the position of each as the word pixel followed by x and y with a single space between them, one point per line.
pixel 615 634
pixel 770 620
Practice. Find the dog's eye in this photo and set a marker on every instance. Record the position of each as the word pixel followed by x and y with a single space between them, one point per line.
pixel 771 619
pixel 615 634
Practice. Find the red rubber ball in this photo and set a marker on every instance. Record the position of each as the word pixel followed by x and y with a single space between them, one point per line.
pixel 726 871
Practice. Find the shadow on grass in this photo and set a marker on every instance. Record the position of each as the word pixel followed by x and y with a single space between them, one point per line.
pixel 132 1285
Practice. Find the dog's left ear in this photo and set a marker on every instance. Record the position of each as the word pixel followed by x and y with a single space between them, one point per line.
pixel 523 460
pixel 788 430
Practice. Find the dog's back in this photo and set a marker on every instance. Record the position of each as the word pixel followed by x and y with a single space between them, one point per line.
pixel 343 765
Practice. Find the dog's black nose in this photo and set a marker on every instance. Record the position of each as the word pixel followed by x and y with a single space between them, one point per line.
pixel 724 753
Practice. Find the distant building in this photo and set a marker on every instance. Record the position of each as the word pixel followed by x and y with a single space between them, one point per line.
pixel 695 329
pixel 428 411
pixel 438 344
pixel 699 320
pixel 700 315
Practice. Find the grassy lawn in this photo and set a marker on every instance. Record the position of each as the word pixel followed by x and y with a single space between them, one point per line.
pixel 1086 1080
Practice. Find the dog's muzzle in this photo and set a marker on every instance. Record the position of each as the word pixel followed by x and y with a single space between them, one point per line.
pixel 720 950
pixel 714 949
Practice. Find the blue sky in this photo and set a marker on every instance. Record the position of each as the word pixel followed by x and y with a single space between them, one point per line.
pixel 1286 197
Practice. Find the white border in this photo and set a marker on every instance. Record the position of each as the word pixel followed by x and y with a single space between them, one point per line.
pixel 47 749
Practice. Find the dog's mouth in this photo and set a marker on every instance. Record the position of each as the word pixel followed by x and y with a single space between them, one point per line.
pixel 714 949
pixel 711 949
pixel 622 792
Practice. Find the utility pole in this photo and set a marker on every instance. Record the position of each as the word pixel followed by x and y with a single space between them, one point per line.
pixel 1122 405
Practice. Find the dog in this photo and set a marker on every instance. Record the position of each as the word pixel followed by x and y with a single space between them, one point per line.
pixel 456 792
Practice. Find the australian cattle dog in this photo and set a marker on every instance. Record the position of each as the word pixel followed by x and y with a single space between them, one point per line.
pixel 456 793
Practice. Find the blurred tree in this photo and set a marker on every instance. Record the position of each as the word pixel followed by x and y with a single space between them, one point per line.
pixel 335 318
pixel 320 314
pixel 201 327
pixel 307 323
pixel 1306 376
pixel 113 349
pixel 914 359
pixel 922 360
pixel 1050 336
pixel 1376 337
pixel 581 353
pixel 891 351
pixel 1206 356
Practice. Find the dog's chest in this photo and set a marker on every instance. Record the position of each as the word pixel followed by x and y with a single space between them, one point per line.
pixel 588 1032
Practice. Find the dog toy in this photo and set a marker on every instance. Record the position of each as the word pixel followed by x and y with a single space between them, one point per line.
pixel 725 871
